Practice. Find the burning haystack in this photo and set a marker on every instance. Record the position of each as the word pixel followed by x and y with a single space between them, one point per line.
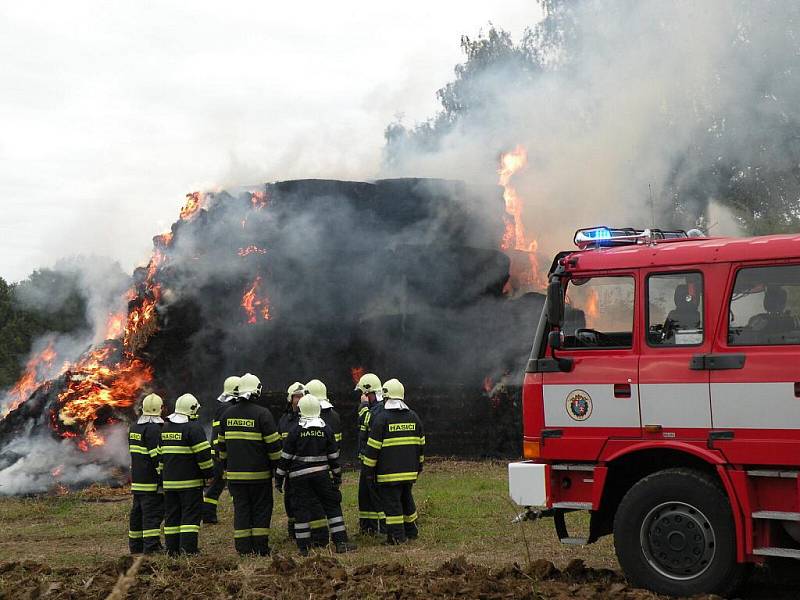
pixel 294 280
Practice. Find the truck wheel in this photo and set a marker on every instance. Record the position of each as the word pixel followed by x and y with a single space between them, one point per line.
pixel 674 534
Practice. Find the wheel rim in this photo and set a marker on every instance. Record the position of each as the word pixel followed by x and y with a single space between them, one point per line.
pixel 678 540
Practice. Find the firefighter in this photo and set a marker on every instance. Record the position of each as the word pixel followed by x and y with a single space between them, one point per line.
pixel 370 516
pixel 249 447
pixel 230 390
pixel 293 394
pixel 393 459
pixel 147 511
pixel 310 459
pixel 186 463
pixel 318 389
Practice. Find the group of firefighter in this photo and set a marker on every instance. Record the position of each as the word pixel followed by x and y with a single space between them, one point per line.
pixel 172 459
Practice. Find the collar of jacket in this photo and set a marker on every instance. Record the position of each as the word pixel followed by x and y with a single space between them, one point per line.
pixel 149 419
pixel 394 404
pixel 224 398
pixel 176 418
pixel 313 422
pixel 325 403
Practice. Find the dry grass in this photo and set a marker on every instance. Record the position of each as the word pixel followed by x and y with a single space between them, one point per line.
pixel 463 507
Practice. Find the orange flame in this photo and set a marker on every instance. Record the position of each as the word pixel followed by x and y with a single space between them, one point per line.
pixel 357 373
pixel 115 326
pixel 98 382
pixel 251 249
pixel 191 207
pixel 255 304
pixel 258 200
pixel 164 239
pixel 36 370
pixel 591 309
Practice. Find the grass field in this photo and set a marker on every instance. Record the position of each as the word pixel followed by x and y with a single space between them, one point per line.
pixel 463 506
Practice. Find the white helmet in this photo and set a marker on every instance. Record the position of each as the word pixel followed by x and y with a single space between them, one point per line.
pixel 309 407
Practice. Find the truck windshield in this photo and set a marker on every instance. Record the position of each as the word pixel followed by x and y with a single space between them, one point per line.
pixel 599 313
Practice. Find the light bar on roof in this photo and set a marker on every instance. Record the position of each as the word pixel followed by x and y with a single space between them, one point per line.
pixel 601 236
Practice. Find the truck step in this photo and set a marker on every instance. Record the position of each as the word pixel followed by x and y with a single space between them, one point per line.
pixel 776 515
pixel 573 505
pixel 773 473
pixel 781 552
pixel 574 541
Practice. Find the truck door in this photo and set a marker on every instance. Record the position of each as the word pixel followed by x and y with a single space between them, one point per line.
pixel 675 397
pixel 755 367
pixel 598 398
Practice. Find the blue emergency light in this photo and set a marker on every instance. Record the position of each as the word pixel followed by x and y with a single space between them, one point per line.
pixel 602 236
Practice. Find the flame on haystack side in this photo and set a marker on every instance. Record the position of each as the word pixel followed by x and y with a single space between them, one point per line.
pixel 357 373
pixel 514 235
pixel 192 206
pixel 251 249
pixel 258 200
pixel 37 371
pixel 98 381
pixel 256 303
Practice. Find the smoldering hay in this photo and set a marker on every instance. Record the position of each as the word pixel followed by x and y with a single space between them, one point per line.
pixel 290 280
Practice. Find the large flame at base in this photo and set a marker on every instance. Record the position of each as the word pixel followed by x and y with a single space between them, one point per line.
pixel 37 370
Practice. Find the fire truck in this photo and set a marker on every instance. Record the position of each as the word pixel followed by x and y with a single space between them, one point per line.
pixel 662 396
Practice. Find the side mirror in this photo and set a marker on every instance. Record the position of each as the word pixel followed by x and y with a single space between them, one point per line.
pixel 555 339
pixel 555 303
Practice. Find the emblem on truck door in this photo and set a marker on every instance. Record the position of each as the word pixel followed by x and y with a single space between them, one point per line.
pixel 579 405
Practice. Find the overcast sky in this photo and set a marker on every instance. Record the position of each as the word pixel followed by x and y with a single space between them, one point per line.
pixel 111 111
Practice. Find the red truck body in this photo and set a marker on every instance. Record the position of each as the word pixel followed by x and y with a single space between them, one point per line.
pixel 614 415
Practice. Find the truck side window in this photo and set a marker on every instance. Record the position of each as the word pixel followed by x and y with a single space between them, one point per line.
pixel 599 313
pixel 765 305
pixel 675 309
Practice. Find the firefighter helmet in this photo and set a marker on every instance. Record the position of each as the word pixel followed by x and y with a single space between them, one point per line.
pixel 187 405
pixel 394 390
pixel 151 405
pixel 316 388
pixel 249 384
pixel 309 407
pixel 296 389
pixel 369 382
pixel 231 386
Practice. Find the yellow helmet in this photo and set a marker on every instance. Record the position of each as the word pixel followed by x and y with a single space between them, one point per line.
pixel 231 386
pixel 393 389
pixel 369 382
pixel 316 388
pixel 295 389
pixel 187 405
pixel 151 405
pixel 249 384
pixel 309 407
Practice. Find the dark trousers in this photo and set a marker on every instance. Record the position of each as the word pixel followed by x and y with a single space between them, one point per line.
pixel 401 512
pixel 370 516
pixel 182 510
pixel 287 505
pixel 252 513
pixel 144 532
pixel 318 507
pixel 212 494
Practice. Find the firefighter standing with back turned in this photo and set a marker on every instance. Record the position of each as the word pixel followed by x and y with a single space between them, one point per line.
pixel 320 391
pixel 249 446
pixel 393 459
pixel 147 511
pixel 186 462
pixel 296 391
pixel 310 460
pixel 370 516
pixel 230 390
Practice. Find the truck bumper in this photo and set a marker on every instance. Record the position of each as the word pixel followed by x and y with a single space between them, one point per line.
pixel 527 483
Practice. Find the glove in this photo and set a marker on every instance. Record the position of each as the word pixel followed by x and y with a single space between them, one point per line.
pixel 279 484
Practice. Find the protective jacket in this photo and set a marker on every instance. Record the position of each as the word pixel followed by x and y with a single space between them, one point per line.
pixel 144 441
pixel 219 410
pixel 395 447
pixel 334 421
pixel 365 419
pixel 286 422
pixel 185 455
pixel 249 443
pixel 308 451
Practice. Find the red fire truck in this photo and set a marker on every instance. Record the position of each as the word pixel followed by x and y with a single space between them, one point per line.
pixel 663 396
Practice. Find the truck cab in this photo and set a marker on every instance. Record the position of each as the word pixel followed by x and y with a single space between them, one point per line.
pixel 662 395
